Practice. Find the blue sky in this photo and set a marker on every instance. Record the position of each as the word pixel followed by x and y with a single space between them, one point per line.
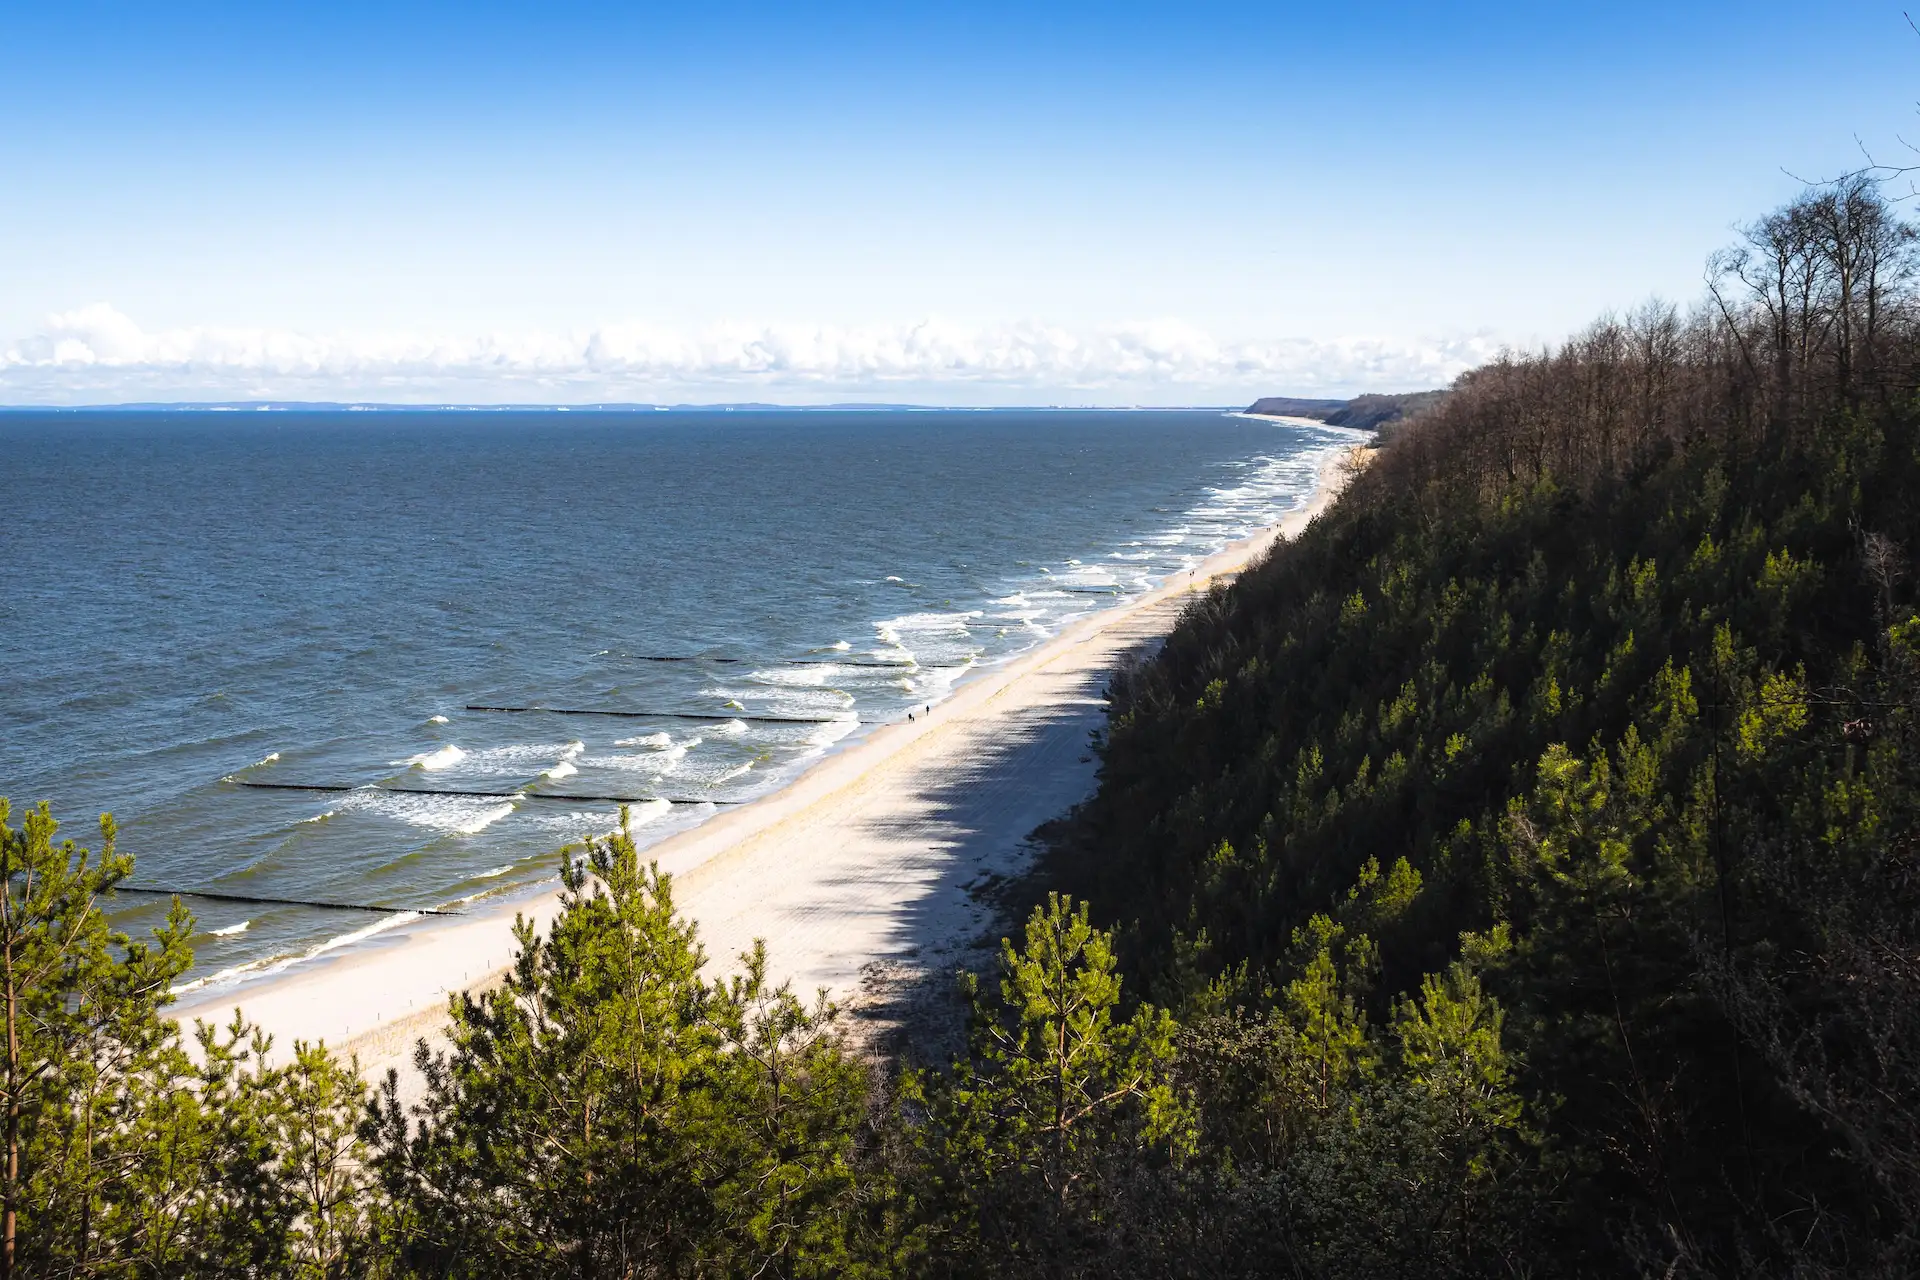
pixel 1029 203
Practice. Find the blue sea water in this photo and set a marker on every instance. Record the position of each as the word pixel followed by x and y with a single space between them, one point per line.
pixel 195 601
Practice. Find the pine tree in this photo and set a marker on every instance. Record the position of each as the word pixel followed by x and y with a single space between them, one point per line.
pixel 1055 1092
pixel 605 1111
pixel 83 1036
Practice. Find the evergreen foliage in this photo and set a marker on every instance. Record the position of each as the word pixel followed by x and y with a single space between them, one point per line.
pixel 128 1155
pixel 1054 1101
pixel 1613 652
pixel 606 1111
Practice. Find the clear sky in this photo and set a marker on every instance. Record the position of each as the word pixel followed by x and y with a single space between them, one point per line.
pixel 980 203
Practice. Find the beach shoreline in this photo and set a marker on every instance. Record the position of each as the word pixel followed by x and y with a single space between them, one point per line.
pixel 861 859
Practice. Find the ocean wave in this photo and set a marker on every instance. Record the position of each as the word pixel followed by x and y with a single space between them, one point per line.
pixel 497 871
pixel 639 815
pixel 783 700
pixel 659 741
pixel 512 760
pixel 831 732
pixel 279 964
pixel 658 762
pixel 436 720
pixel 440 758
pixel 575 824
pixel 270 757
pixel 447 815
pixel 381 925
pixel 814 674
pixel 565 769
pixel 231 930
pixel 931 638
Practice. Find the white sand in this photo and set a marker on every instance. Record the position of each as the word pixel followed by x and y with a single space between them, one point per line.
pixel 864 860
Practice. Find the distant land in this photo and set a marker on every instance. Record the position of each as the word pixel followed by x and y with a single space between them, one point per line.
pixel 1366 412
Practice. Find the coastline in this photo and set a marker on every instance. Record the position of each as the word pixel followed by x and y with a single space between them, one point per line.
pixel 1281 418
pixel 867 859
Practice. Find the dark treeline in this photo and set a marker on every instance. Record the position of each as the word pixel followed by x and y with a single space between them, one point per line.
pixel 1513 875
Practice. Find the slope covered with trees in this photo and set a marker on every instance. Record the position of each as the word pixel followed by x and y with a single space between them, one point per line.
pixel 1595 693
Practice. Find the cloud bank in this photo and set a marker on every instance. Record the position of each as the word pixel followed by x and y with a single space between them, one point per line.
pixel 95 354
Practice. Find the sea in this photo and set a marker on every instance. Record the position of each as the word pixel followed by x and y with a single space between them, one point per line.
pixel 342 666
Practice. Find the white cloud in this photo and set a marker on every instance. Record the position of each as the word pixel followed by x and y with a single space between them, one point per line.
pixel 96 354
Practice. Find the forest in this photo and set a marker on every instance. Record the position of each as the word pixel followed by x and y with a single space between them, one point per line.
pixel 1516 874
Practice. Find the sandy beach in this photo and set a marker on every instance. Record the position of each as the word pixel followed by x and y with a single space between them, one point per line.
pixel 863 869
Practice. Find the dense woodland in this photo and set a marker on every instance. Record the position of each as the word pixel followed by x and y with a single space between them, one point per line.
pixel 1516 874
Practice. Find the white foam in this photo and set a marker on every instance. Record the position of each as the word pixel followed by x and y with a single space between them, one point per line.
pixel 659 741
pixel 933 622
pixel 436 719
pixel 811 675
pixel 565 769
pixel 790 700
pixel 439 758
pixel 270 758
pixel 449 815
pixel 931 638
pixel 230 930
pixel 271 965
pixel 638 815
pixel 223 975
pixel 600 822
pixel 576 824
pixel 828 734
pixel 381 925
pixel 516 759
pixel 497 871
pixel 658 762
